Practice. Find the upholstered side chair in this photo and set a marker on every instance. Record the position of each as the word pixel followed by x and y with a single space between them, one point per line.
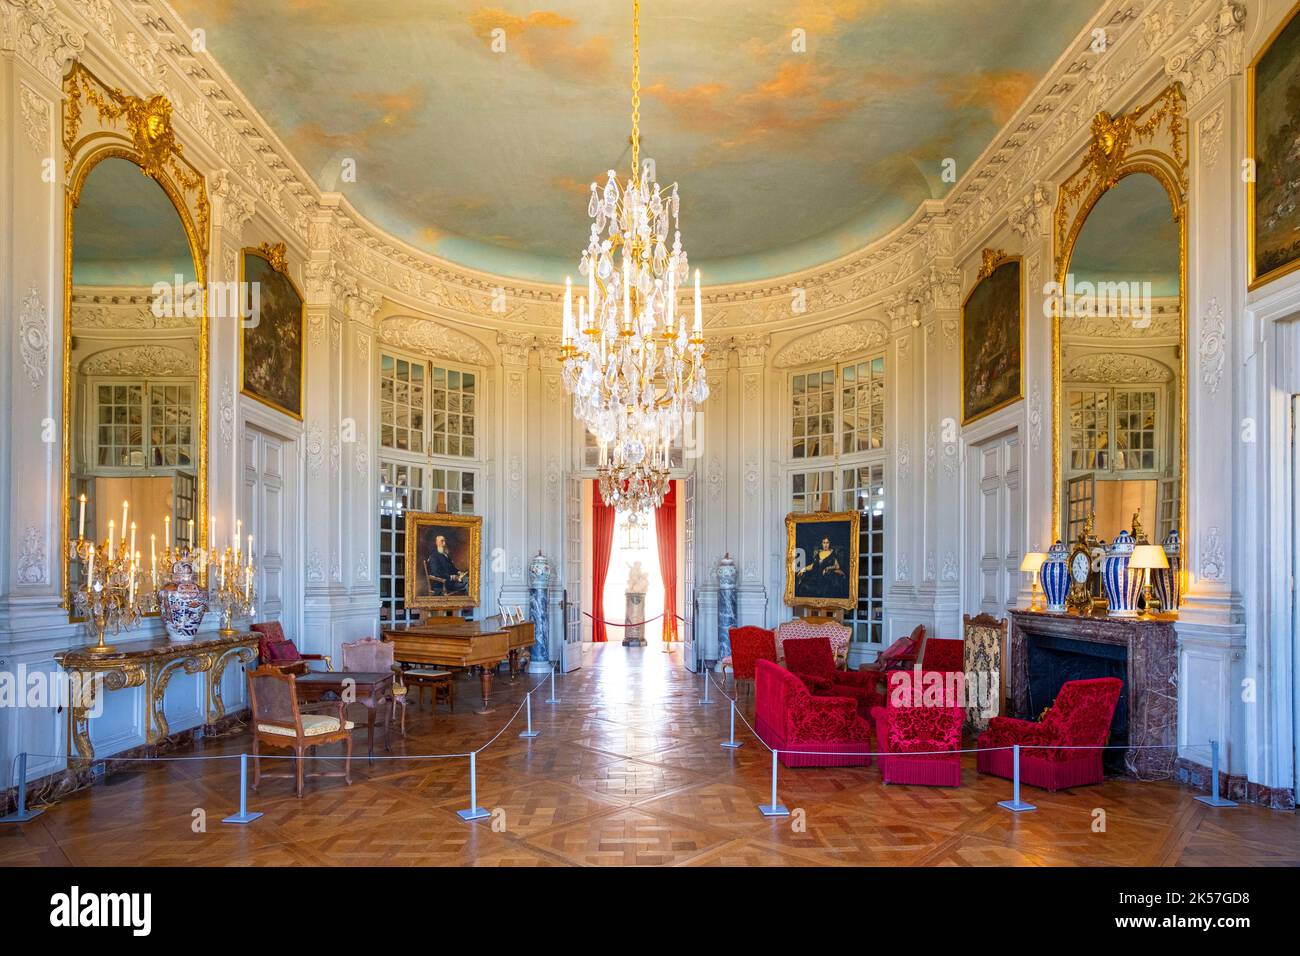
pixel 373 655
pixel 985 636
pixel 749 645
pixel 279 721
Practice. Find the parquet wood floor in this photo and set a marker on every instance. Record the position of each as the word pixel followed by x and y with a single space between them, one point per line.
pixel 627 771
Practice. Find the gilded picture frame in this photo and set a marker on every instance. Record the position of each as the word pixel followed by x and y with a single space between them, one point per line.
pixel 442 577
pixel 272 349
pixel 987 338
pixel 814 578
pixel 1277 65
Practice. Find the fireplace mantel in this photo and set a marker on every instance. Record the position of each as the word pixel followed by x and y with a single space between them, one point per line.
pixel 1150 669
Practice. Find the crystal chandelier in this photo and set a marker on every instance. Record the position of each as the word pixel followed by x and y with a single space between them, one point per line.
pixel 633 368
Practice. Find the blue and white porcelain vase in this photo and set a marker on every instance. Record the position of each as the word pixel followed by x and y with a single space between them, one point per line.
pixel 1122 585
pixel 182 603
pixel 1055 576
pixel 1164 581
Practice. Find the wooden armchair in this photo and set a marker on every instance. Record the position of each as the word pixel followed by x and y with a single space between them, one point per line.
pixel 279 721
pixel 275 649
pixel 372 655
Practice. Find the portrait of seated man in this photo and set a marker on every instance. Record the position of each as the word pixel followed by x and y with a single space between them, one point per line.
pixel 441 571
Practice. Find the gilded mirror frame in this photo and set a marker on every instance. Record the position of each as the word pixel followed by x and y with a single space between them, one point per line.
pixel 101 122
pixel 1150 140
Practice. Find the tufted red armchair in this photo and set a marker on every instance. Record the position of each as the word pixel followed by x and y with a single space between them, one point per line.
pixel 1079 717
pixel 906 727
pixel 812 659
pixel 788 717
pixel 275 649
pixel 749 645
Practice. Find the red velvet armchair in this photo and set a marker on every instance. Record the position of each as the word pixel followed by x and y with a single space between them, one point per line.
pixel 788 717
pixel 944 655
pixel 813 661
pixel 749 645
pixel 908 734
pixel 275 649
pixel 1079 717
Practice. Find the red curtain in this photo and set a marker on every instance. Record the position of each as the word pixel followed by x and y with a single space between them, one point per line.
pixel 602 544
pixel 666 532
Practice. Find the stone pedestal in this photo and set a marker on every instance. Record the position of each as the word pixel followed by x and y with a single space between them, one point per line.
pixel 539 579
pixel 726 572
pixel 634 618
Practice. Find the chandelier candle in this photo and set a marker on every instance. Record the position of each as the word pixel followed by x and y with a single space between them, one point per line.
pixel 634 373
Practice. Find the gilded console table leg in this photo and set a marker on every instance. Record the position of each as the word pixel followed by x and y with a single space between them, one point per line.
pixel 91 684
pixel 216 708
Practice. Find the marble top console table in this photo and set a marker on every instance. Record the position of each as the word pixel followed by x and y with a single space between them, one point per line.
pixel 1048 648
pixel 149 663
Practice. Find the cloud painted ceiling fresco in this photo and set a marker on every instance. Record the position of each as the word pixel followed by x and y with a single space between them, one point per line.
pixel 785 159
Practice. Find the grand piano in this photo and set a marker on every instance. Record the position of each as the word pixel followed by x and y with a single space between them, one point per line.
pixel 457 642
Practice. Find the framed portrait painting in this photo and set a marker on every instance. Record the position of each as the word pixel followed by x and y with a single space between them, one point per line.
pixel 271 362
pixel 443 555
pixel 992 339
pixel 1273 138
pixel 822 559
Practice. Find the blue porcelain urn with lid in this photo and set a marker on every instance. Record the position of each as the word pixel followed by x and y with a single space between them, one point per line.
pixel 1165 581
pixel 1055 575
pixel 1122 586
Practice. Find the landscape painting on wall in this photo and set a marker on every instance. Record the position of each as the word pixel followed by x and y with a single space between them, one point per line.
pixel 822 559
pixel 1273 86
pixel 442 559
pixel 991 324
pixel 271 341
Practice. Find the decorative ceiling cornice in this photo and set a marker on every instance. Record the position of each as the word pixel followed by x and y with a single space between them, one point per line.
pixel 1007 183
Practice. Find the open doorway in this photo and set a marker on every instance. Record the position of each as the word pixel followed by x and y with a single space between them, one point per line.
pixel 634 553
pixel 609 550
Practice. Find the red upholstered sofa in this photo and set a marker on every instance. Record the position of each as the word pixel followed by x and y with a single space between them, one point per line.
pixel 749 645
pixel 909 733
pixel 275 649
pixel 812 659
pixel 1079 717
pixel 788 717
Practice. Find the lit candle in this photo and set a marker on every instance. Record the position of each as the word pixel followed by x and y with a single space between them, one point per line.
pixel 110 539
pixel 591 288
pixel 90 566
pixel 568 310
pixel 190 541
pixel 221 576
pixel 248 583
pixel 153 552
pixel 239 529
pixel 131 549
pixel 125 505
pixel 250 551
pixel 81 519
pixel 698 311
pixel 167 531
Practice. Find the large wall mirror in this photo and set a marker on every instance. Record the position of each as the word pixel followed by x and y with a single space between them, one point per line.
pixel 135 339
pixel 1119 361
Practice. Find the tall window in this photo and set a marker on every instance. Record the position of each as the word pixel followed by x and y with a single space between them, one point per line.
pixel 837 454
pixel 429 447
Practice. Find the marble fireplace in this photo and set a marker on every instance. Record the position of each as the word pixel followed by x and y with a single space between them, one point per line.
pixel 1047 649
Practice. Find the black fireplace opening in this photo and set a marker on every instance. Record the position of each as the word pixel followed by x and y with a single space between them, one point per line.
pixel 1055 660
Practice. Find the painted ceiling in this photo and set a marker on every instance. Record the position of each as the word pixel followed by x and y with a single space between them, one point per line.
pixel 785 159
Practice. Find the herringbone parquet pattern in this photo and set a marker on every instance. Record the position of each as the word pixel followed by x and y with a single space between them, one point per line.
pixel 627 771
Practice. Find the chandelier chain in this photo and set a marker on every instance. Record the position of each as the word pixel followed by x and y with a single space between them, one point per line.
pixel 636 88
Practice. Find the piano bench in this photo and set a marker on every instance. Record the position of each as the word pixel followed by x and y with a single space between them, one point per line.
pixel 443 683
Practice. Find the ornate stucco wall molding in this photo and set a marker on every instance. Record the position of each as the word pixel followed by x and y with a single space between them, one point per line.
pixel 433 339
pixel 41 34
pixel 833 342
pixel 1115 368
pixel 149 360
pixel 1210 52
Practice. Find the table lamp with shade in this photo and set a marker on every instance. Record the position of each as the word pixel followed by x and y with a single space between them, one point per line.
pixel 1033 562
pixel 1147 557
